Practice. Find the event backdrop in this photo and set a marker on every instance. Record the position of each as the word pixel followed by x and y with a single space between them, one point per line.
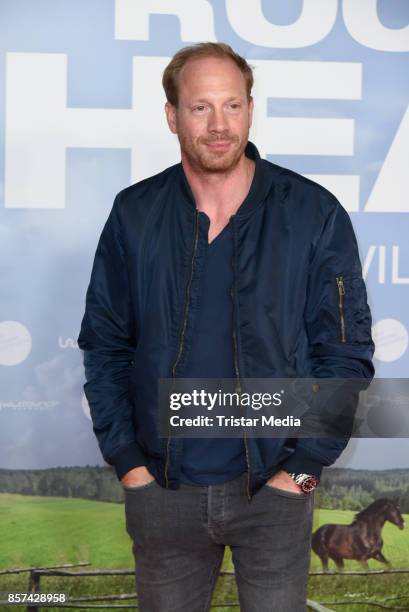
pixel 81 117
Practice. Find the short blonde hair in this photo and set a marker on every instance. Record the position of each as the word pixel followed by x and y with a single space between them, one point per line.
pixel 202 50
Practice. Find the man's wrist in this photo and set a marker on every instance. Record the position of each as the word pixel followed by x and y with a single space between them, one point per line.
pixel 137 476
pixel 306 482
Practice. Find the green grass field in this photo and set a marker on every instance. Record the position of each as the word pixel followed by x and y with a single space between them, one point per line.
pixel 36 531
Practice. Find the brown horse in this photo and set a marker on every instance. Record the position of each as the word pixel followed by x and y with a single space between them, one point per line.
pixel 361 540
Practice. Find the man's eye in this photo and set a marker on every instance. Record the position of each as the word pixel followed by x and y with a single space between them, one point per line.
pixel 234 105
pixel 200 108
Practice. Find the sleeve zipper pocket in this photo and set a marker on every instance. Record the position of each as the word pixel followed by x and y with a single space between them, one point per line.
pixel 341 293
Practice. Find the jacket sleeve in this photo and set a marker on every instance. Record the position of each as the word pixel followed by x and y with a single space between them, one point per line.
pixel 338 326
pixel 108 339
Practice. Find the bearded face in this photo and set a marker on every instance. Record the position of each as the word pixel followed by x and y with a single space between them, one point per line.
pixel 213 116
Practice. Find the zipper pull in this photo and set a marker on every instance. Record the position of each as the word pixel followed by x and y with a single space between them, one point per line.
pixel 341 293
pixel 340 283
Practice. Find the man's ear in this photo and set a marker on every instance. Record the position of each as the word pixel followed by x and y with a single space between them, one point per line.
pixel 170 111
pixel 251 109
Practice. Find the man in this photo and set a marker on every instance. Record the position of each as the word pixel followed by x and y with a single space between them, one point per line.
pixel 222 266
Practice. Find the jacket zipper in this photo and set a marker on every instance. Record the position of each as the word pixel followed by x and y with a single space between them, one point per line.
pixel 236 363
pixel 341 293
pixel 182 334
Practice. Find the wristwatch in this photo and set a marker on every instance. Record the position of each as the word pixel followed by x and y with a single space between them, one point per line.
pixel 307 482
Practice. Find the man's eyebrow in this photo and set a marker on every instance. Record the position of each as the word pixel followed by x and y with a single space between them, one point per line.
pixel 204 101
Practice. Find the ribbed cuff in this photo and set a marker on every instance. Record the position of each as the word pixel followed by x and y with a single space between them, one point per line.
pixel 301 463
pixel 130 457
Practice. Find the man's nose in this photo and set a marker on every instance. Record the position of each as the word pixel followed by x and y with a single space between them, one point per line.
pixel 217 121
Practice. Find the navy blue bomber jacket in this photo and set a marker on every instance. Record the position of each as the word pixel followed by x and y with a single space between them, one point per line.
pixel 292 240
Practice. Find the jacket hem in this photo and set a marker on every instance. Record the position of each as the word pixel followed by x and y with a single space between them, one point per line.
pixel 130 457
pixel 299 463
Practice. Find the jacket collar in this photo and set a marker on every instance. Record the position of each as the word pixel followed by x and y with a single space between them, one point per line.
pixel 259 188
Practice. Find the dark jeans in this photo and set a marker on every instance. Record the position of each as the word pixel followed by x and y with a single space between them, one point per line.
pixel 179 537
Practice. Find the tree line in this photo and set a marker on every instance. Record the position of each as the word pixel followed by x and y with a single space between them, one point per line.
pixel 340 488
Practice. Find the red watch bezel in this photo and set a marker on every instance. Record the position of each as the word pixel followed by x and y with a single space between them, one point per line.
pixel 309 484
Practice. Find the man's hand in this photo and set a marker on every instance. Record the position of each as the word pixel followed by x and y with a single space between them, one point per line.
pixel 137 477
pixel 282 480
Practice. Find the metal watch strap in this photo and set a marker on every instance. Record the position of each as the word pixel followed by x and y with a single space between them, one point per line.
pixel 311 482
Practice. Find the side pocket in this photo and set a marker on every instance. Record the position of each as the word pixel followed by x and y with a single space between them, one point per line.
pixel 135 488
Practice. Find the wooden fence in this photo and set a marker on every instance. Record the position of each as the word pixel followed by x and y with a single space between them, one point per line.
pixel 35 574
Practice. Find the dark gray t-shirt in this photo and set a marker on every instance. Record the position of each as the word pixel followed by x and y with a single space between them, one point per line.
pixel 208 461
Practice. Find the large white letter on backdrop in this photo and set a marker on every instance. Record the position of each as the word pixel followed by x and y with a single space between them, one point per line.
pixel 389 193
pixel 362 21
pixel 195 17
pixel 40 127
pixel 316 20
pixel 306 135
